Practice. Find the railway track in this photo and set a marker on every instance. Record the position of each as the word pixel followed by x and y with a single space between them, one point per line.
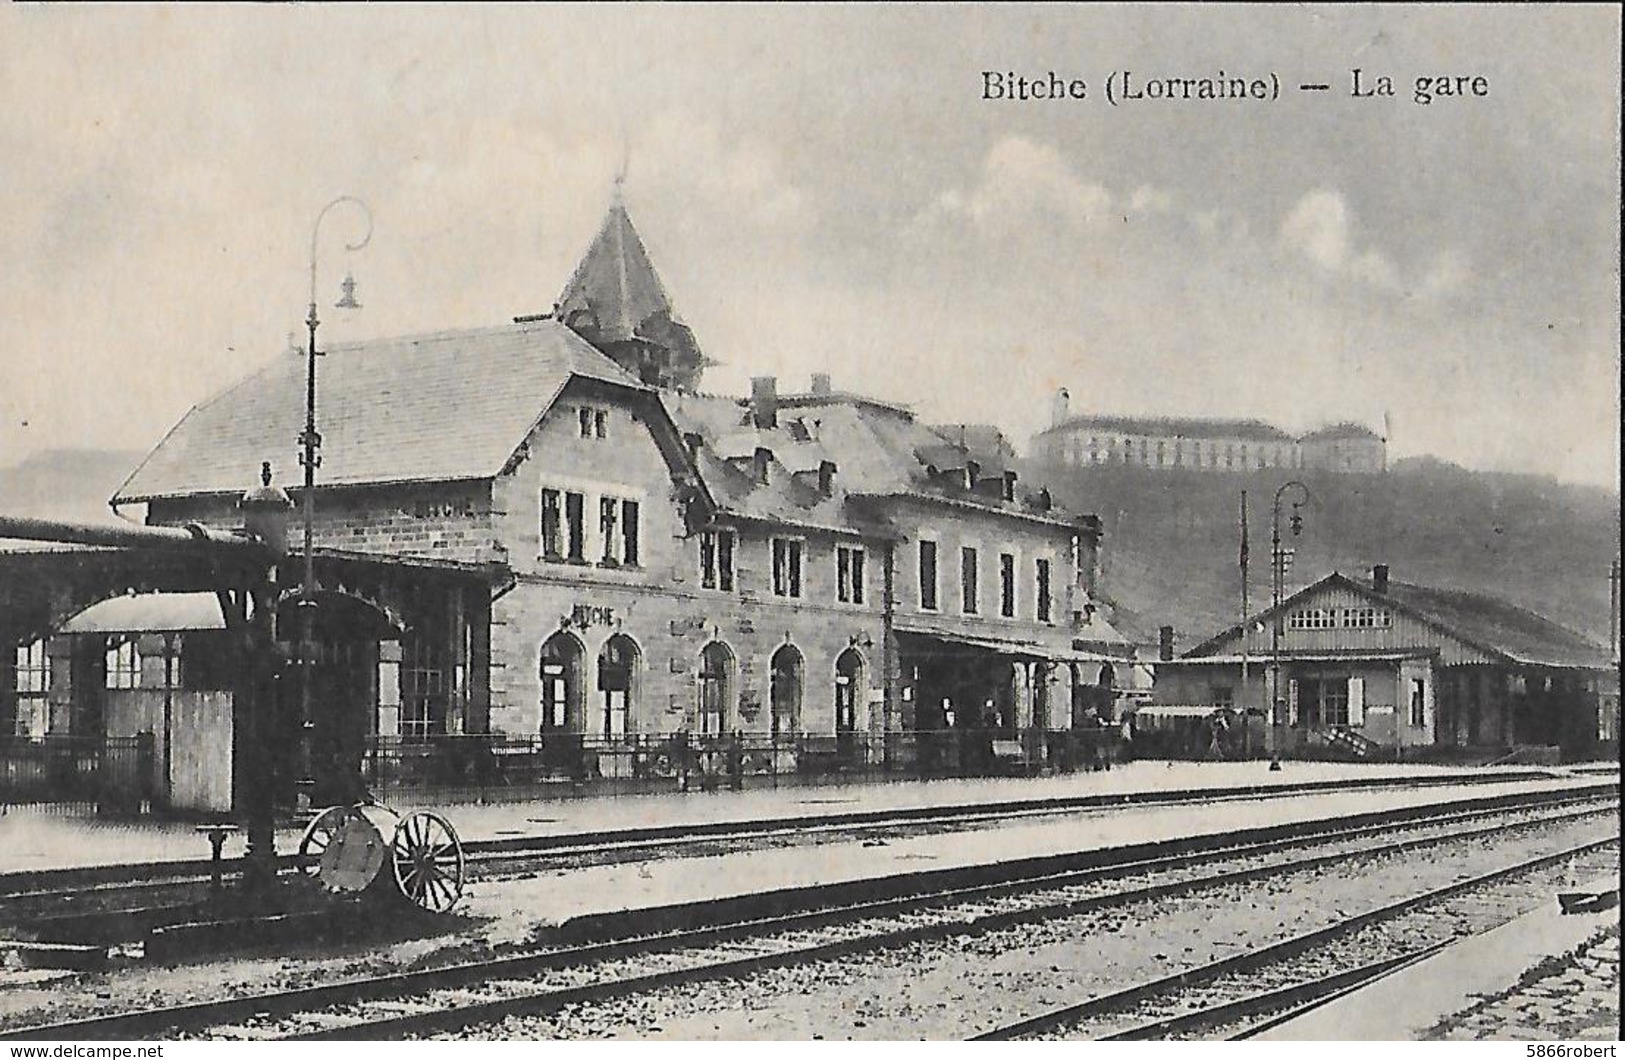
pixel 1242 994
pixel 140 888
pixel 489 857
pixel 450 998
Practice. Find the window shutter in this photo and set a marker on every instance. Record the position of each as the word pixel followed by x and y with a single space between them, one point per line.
pixel 1292 701
pixel 1356 701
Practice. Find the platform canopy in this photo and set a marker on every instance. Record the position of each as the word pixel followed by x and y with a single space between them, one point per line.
pixel 149 613
pixel 1176 710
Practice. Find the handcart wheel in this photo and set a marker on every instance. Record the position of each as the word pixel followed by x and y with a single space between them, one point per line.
pixel 428 861
pixel 318 837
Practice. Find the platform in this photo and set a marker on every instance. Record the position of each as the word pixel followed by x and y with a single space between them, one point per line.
pixel 612 889
pixel 1405 1006
pixel 36 841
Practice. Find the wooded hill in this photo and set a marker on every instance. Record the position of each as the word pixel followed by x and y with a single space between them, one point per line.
pixel 1173 538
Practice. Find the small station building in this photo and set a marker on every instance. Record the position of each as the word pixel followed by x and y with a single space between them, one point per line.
pixel 1376 667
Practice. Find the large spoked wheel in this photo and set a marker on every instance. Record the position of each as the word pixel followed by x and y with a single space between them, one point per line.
pixel 428 861
pixel 318 837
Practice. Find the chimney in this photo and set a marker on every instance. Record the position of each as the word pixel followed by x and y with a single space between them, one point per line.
pixel 764 402
pixel 820 384
pixel 1060 408
pixel 695 443
pixel 1379 578
pixel 1009 486
pixel 826 477
pixel 761 461
pixel 1165 643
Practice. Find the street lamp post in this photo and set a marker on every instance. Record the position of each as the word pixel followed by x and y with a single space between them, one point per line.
pixel 310 441
pixel 1278 578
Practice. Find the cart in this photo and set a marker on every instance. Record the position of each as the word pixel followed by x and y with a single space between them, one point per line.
pixel 370 847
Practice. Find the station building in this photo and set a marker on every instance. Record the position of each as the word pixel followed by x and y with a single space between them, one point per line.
pixel 1377 668
pixel 541 549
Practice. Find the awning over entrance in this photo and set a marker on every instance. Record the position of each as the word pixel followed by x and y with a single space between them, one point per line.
pixel 1264 658
pixel 1174 710
pixel 149 613
pixel 938 641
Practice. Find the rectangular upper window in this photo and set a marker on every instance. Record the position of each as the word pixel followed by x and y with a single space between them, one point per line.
pixel 849 563
pixel 575 507
pixel 1312 618
pixel 1042 578
pixel 717 560
pixel 609 522
pixel 787 567
pixel 552 524
pixel 594 422
pixel 630 513
pixel 1367 617
pixel 969 563
pixel 1007 585
pixel 928 575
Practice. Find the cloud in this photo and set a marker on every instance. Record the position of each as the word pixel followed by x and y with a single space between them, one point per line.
pixel 1320 229
pixel 1147 199
pixel 1446 276
pixel 743 177
pixel 1021 180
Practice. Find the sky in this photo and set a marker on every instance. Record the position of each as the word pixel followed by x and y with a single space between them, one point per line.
pixel 825 189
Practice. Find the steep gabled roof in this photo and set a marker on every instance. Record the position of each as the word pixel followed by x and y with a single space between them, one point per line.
pixel 438 407
pixel 615 301
pixel 1487 623
pixel 615 282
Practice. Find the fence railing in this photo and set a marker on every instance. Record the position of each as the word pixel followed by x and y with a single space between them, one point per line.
pixel 111 775
pixel 469 767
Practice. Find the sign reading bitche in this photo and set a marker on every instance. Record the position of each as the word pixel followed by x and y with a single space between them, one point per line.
pixel 585 616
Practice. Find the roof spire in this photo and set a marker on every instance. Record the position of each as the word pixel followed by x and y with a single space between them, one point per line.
pixel 615 301
pixel 618 196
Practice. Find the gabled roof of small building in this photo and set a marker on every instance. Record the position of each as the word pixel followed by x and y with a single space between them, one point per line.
pixel 444 406
pixel 1182 427
pixel 1488 623
pixel 1339 431
pixel 1498 625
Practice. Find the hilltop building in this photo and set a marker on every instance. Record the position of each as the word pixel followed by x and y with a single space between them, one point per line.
pixel 1200 444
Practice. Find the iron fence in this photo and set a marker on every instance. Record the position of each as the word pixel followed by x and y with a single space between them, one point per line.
pixel 498 767
pixel 109 775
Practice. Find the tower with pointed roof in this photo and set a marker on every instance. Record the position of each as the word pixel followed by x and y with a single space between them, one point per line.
pixel 615 301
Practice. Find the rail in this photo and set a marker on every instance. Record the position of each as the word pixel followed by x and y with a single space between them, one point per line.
pixel 804 910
